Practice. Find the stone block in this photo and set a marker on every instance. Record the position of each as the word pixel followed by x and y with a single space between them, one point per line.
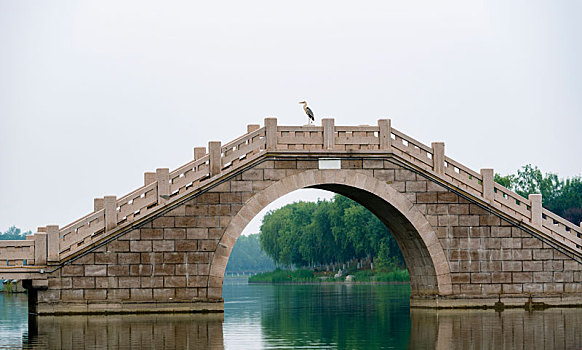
pixel 511 265
pixel 257 174
pixel 308 164
pixel 207 245
pixel 140 246
pixel 118 294
pixel 230 197
pixel 489 220
pixel 533 266
pixel 553 265
pixel 416 186
pixel 152 258
pixel 95 270
pixel 186 221
pixel 553 287
pixel 274 174
pixel 426 198
pixel 500 231
pixel 118 270
pixel 448 220
pixel 434 187
pixel 208 221
pixel 384 175
pixel 404 175
pixel 198 257
pixel 118 246
pixel 540 277
pixel 241 186
pixel 186 245
pixel 140 294
pixel 197 281
pixel 447 197
pixel 152 282
pixel 521 254
pixel 83 282
pixel 207 198
pixel 140 270
pixel 164 294
pixel 458 209
pixel 162 222
pixel 73 270
pixel 197 233
pixel 128 258
pixel 521 277
pixel 543 254
pixel 474 209
pixel 436 209
pixel 490 266
pixel 186 293
pixel 472 289
pixel 187 269
pixel 488 289
pixel 513 288
pixel 501 277
pixel 163 246
pixel 152 233
pixel 531 243
pixel 106 258
pixel 196 209
pixel 174 281
pixel 72 295
pixel 174 258
pixel 96 294
pixel 468 220
pixel 481 277
pixel 533 288
pixel 566 276
pixel 128 282
pixel 84 260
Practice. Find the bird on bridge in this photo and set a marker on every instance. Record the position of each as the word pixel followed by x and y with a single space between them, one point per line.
pixel 308 111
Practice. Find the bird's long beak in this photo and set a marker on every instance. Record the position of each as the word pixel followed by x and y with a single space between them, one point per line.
pixel 301 102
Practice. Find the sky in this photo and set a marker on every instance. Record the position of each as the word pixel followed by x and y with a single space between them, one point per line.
pixel 95 93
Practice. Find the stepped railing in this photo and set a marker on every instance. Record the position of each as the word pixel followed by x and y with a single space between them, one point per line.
pixel 162 187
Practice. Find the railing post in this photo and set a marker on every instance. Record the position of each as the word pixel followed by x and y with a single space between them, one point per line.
pixel 199 152
pixel 110 206
pixel 438 157
pixel 40 246
pixel 271 133
pixel 97 204
pixel 149 177
pixel 214 157
pixel 52 232
pixel 487 180
pixel 252 127
pixel 384 132
pixel 328 133
pixel 163 179
pixel 536 209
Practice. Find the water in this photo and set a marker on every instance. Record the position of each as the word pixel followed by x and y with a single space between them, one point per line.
pixel 298 317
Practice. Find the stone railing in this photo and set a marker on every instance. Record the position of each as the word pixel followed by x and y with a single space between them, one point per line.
pixel 29 252
pixel 162 187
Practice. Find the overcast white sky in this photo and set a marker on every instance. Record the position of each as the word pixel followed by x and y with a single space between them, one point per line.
pixel 94 93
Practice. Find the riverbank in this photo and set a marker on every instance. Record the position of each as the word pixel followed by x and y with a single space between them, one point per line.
pixel 304 276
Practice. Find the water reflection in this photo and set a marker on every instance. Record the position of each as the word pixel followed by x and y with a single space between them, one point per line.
pixel 302 316
pixel 487 329
pixel 178 331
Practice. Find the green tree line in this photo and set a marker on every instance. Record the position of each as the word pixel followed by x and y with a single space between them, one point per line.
pixel 561 196
pixel 13 233
pixel 327 232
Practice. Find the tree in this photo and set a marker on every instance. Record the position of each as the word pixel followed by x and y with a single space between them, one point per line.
pixel 561 196
pixel 14 233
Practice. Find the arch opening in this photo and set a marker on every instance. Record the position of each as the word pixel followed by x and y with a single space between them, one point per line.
pixel 422 252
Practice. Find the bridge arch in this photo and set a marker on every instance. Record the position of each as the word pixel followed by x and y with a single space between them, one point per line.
pixel 425 258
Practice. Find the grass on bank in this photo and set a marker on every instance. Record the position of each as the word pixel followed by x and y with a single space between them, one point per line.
pixel 303 276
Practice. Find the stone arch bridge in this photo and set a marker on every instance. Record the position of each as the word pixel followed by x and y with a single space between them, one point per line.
pixel 466 240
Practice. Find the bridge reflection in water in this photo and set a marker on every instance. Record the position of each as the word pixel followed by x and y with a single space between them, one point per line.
pixel 488 329
pixel 430 329
pixel 146 331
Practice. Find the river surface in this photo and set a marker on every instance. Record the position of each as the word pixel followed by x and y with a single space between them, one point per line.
pixel 335 316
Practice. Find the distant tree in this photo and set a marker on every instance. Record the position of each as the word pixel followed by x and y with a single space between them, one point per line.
pixel 247 256
pixel 561 196
pixel 14 233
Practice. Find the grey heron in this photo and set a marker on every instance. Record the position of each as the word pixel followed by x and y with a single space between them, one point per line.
pixel 308 111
